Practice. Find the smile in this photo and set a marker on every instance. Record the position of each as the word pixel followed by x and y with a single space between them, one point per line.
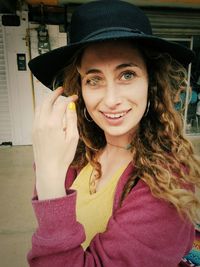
pixel 115 115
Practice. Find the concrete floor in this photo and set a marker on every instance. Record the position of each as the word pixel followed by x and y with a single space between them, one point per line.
pixel 17 221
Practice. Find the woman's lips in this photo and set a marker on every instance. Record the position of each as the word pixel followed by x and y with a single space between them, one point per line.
pixel 115 118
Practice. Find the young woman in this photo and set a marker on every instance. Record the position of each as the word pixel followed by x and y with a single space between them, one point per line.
pixel 128 198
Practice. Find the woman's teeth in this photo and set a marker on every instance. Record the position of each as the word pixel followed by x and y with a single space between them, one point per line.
pixel 115 116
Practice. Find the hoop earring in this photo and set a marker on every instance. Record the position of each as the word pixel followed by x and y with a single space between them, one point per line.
pixel 85 115
pixel 147 108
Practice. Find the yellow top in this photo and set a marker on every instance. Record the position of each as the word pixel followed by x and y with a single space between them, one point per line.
pixel 93 211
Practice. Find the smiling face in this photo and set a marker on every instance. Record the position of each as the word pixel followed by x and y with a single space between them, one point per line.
pixel 114 83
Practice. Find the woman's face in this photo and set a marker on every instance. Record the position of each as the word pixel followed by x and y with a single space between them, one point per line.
pixel 114 83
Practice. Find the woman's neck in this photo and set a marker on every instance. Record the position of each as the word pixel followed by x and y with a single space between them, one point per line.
pixel 118 142
pixel 124 147
pixel 112 154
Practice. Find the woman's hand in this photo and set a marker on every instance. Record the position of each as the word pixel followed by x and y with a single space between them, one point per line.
pixel 55 139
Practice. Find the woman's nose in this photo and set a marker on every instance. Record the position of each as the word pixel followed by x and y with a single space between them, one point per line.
pixel 112 97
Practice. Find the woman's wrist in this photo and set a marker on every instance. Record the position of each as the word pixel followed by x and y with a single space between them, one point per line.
pixel 50 192
pixel 50 184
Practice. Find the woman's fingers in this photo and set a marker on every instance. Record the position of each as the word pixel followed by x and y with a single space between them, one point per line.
pixel 52 111
pixel 58 114
pixel 49 101
pixel 71 119
pixel 47 106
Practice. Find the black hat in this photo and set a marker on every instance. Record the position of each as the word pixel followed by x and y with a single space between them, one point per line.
pixel 100 21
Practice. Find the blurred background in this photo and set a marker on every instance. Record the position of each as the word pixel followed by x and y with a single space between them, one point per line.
pixel 32 27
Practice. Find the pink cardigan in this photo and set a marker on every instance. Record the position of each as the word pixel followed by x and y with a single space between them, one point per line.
pixel 144 231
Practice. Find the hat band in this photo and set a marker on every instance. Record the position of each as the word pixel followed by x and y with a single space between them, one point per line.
pixel 121 29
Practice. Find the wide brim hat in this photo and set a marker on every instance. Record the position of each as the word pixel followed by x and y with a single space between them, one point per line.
pixel 102 21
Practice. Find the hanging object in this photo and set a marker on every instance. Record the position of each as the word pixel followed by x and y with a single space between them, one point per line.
pixel 43 35
pixel 43 39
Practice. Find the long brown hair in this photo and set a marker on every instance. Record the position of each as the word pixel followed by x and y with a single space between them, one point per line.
pixel 163 158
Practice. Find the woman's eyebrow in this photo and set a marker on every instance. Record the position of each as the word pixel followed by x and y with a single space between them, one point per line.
pixel 89 71
pixel 92 71
pixel 125 65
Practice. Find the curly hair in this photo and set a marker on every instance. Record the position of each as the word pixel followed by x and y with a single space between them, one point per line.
pixel 163 158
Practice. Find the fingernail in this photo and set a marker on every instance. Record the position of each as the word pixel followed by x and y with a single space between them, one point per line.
pixel 74 97
pixel 71 106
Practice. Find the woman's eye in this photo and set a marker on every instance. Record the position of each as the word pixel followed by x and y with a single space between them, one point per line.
pixel 127 76
pixel 93 81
